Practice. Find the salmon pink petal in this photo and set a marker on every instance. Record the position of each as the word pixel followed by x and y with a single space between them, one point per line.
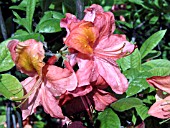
pixel 109 70
pixel 12 48
pixel 60 80
pixel 65 22
pixel 28 56
pixel 29 106
pixel 50 103
pixel 102 99
pixel 87 70
pixel 104 21
pixel 116 47
pixel 161 109
pixel 82 37
pixel 161 82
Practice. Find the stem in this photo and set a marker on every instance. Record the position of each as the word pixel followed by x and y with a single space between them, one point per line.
pixel 8 115
pixel 79 9
pixel 2 25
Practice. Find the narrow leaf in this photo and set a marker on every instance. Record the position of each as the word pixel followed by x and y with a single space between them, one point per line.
pixel 126 104
pixel 30 12
pixel 108 119
pixel 151 42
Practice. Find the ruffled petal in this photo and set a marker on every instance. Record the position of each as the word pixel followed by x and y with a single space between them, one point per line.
pixel 111 74
pixel 87 70
pixel 28 56
pixel 161 82
pixel 161 109
pixel 115 47
pixel 104 21
pixel 50 103
pixel 102 99
pixel 59 80
pixel 29 106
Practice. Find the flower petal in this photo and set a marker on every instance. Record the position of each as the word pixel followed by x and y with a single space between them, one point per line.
pixel 102 99
pixel 161 82
pixel 28 56
pixel 29 106
pixel 50 103
pixel 109 70
pixel 115 46
pixel 60 80
pixel 161 109
pixel 104 21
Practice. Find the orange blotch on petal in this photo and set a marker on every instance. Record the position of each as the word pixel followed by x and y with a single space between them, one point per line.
pixel 82 37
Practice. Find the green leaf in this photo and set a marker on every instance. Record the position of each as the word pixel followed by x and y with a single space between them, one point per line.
pixel 108 119
pixel 10 86
pixel 24 37
pixel 50 22
pixel 2 119
pixel 131 61
pixel 137 81
pixel 29 13
pixel 153 20
pixel 126 104
pixel 151 42
pixel 142 111
pixel 6 62
pixel 134 119
pixel 49 26
pixel 152 54
pixel 158 67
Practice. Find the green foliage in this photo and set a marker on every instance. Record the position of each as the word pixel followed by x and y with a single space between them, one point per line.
pixel 151 42
pixel 10 86
pixel 108 119
pixel 126 104
pixel 6 62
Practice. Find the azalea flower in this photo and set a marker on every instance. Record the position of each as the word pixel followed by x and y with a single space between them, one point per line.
pixel 161 108
pixel 45 82
pixel 87 98
pixel 95 48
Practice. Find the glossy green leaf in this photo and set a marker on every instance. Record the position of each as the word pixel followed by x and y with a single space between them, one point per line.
pixel 126 104
pixel 24 37
pixel 108 119
pixel 49 26
pixel 151 42
pixel 6 62
pixel 158 67
pixel 131 61
pixel 137 81
pixel 139 2
pixel 142 111
pixel 10 86
pixel 30 12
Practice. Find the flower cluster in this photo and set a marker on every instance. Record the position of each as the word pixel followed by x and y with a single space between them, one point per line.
pixel 93 48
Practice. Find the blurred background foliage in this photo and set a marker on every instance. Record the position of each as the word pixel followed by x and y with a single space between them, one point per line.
pixel 40 19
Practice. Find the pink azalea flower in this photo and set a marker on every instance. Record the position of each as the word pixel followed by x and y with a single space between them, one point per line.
pixel 161 108
pixel 87 97
pixel 45 82
pixel 97 49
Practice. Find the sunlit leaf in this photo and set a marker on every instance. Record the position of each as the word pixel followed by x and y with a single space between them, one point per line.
pixel 131 61
pixel 142 111
pixel 108 119
pixel 10 86
pixel 6 62
pixel 151 42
